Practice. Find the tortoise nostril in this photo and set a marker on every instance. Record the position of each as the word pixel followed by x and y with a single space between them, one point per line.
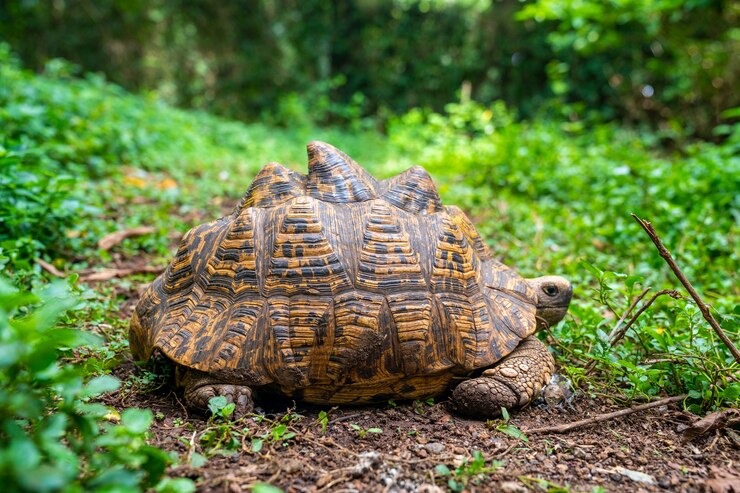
pixel 550 290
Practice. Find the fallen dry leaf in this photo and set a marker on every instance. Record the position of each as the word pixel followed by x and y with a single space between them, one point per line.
pixel 721 481
pixel 108 274
pixel 50 268
pixel 711 422
pixel 167 184
pixel 109 241
pixel 135 181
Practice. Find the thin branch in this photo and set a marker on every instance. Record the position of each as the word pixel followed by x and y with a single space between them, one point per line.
pixel 703 307
pixel 620 333
pixel 604 417
pixel 628 312
pixel 623 330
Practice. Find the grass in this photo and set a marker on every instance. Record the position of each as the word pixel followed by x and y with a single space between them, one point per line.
pixel 81 158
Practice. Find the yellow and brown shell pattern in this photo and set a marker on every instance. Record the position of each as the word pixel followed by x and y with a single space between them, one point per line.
pixel 336 288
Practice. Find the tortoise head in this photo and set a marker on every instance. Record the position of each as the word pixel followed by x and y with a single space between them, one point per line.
pixel 553 298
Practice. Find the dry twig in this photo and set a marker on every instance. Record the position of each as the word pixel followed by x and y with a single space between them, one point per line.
pixel 563 428
pixel 50 268
pixel 703 307
pixel 110 240
pixel 618 334
pixel 108 274
pixel 628 312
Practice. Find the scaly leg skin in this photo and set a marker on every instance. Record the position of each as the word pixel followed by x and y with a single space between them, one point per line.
pixel 200 388
pixel 513 383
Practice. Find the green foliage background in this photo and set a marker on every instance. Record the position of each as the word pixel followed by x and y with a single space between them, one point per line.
pixel 548 122
pixel 666 63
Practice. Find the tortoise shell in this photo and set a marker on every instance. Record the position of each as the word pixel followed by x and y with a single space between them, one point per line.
pixel 336 288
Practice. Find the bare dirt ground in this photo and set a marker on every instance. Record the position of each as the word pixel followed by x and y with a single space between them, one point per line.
pixel 640 452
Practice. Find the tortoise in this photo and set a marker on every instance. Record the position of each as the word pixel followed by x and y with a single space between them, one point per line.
pixel 336 288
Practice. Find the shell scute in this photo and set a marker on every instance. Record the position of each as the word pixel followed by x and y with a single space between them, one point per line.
pixel 273 185
pixel 388 263
pixel 413 191
pixel 335 177
pixel 468 229
pixel 302 259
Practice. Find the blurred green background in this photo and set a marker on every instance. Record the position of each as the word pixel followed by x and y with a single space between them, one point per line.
pixel 669 64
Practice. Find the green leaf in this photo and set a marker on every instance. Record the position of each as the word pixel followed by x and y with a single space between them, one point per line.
pixel 277 432
pixel 591 268
pixel 216 404
pixel 227 410
pixel 442 470
pixel 47 477
pixel 197 460
pixel 731 393
pixel 175 485
pixel 11 353
pixel 512 431
pixel 265 488
pixel 455 485
pixel 257 444
pixel 101 385
pixel 694 394
pixel 117 477
pixel 137 420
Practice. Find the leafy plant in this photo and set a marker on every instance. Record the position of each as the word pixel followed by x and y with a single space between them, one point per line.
pixel 323 420
pixel 38 207
pixel 420 406
pixel 505 427
pixel 222 436
pixel 469 471
pixel 362 432
pixel 54 436
pixel 278 431
pixel 220 408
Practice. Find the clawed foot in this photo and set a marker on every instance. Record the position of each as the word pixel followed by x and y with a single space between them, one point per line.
pixel 239 395
pixel 513 383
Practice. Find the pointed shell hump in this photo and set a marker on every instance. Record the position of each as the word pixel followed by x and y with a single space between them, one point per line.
pixel 413 191
pixel 273 185
pixel 335 177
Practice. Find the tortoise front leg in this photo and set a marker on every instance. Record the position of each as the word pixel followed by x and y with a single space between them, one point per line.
pixel 200 387
pixel 513 383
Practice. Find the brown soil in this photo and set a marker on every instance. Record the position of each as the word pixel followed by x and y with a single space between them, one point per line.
pixel 417 437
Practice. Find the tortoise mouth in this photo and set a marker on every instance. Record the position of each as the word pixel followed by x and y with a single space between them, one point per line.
pixel 549 316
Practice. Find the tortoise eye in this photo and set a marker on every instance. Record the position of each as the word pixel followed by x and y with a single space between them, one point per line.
pixel 550 290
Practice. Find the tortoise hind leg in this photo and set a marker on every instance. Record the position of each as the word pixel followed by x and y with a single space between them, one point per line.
pixel 200 387
pixel 513 383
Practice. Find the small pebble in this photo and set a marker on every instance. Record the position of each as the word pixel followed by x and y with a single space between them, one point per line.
pixel 434 447
pixel 512 487
pixel 581 454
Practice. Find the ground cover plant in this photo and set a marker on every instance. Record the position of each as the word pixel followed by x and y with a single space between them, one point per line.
pixel 82 159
